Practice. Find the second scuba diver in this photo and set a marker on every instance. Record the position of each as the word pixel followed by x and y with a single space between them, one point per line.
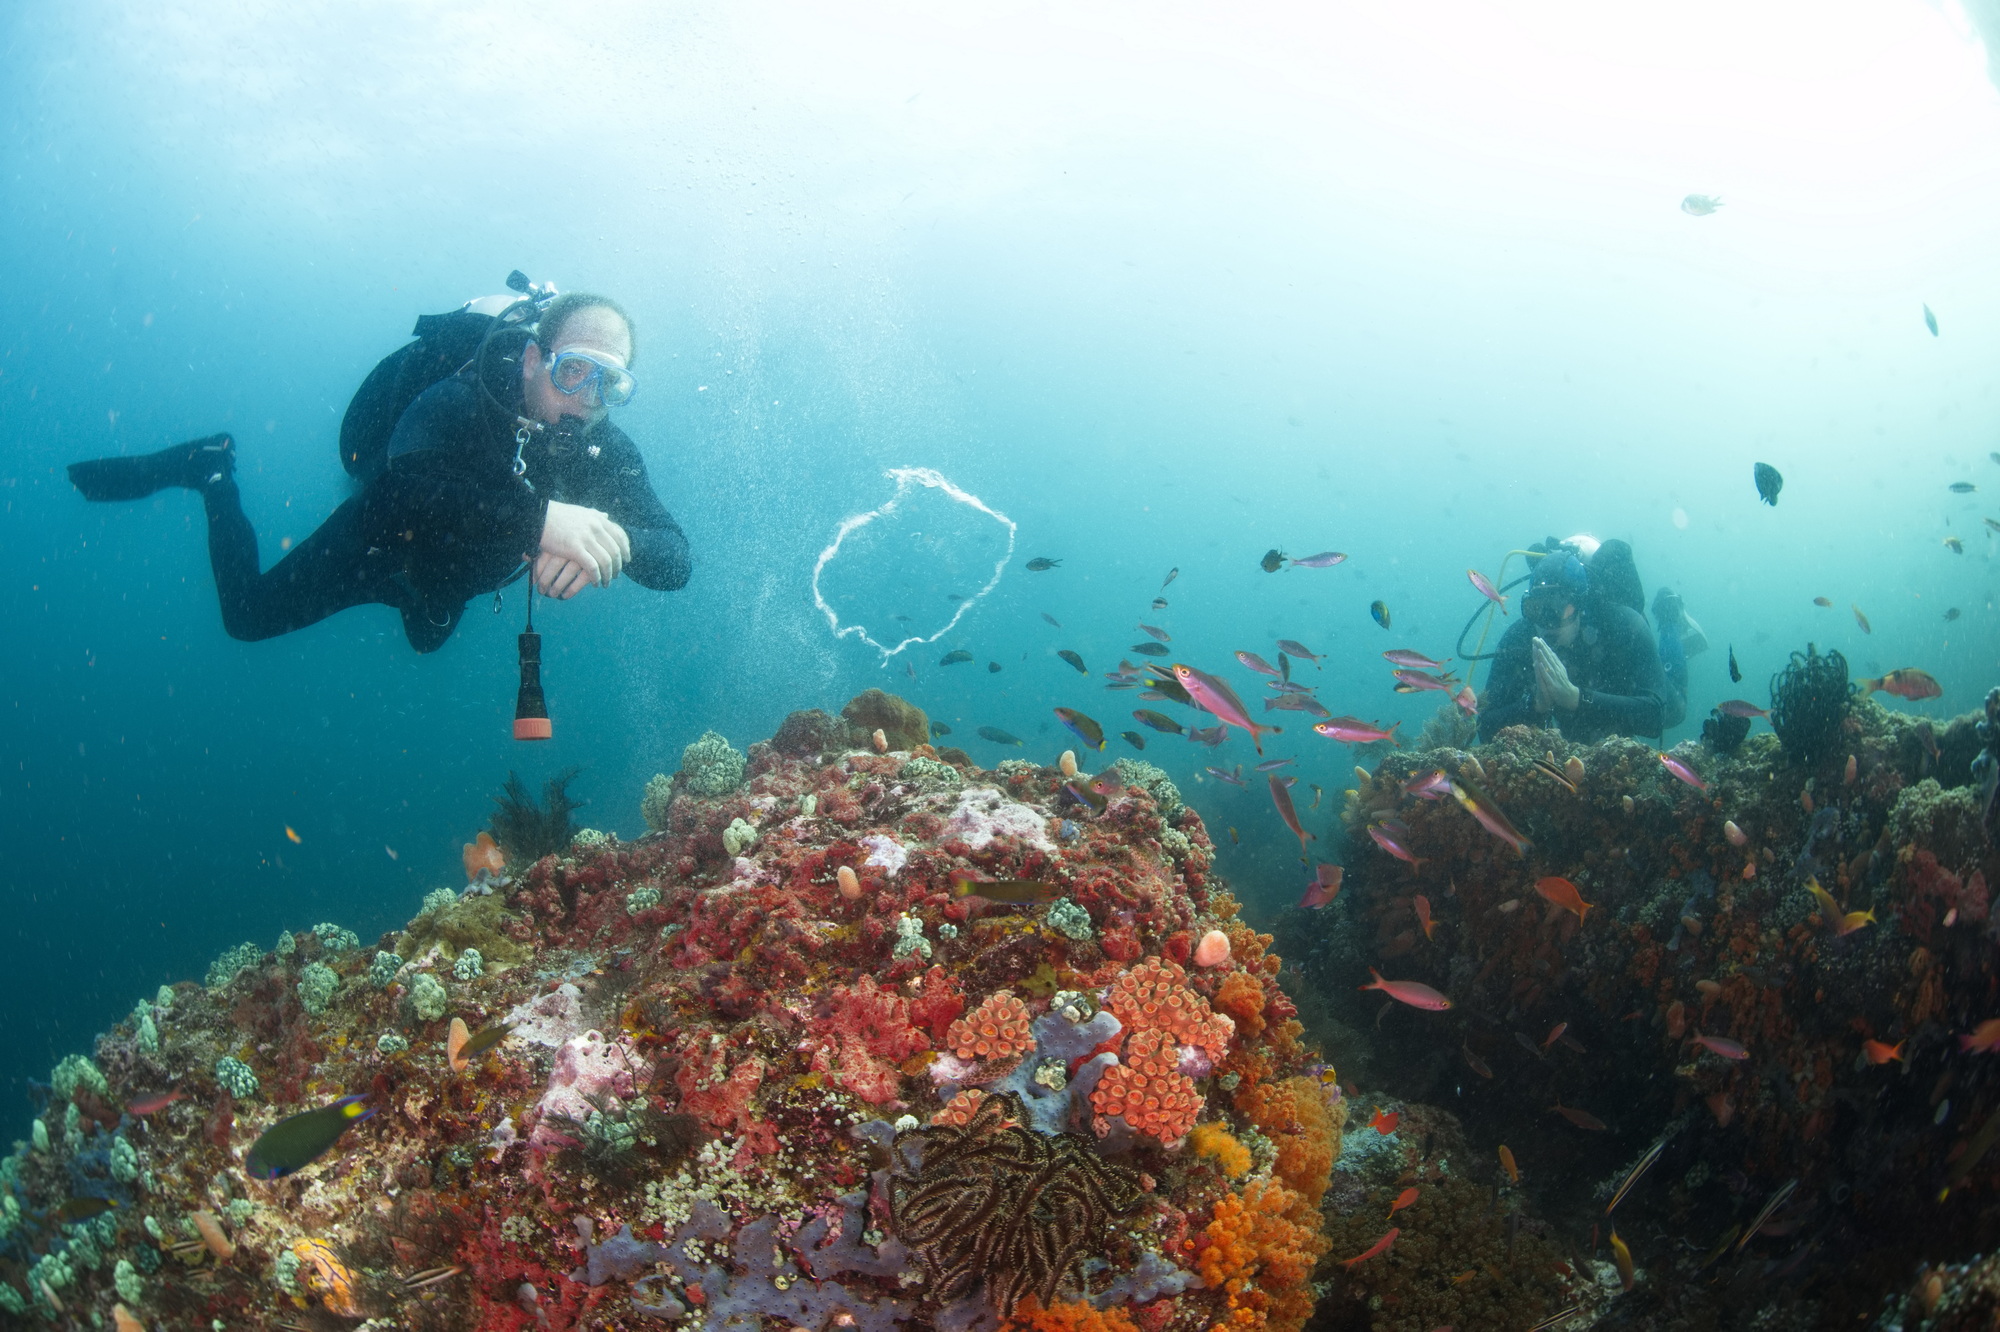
pixel 1582 658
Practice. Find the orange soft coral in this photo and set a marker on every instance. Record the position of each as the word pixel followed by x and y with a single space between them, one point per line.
pixel 1148 1089
pixel 1259 1249
pixel 997 1029
pixel 1063 1316
pixel 1215 1141
pixel 1295 1116
pixel 1241 995
pixel 958 1111
pixel 1154 995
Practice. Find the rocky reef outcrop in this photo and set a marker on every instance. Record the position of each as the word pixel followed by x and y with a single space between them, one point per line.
pixel 856 1038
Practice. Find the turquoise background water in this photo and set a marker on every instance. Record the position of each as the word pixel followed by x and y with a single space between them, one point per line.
pixel 1164 285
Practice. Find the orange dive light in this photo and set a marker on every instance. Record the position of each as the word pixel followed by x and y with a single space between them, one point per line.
pixel 531 709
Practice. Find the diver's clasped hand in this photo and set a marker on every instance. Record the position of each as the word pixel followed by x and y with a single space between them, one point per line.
pixel 1552 687
pixel 581 546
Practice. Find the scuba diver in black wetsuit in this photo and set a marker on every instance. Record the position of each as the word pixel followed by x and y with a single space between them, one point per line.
pixel 508 465
pixel 1582 658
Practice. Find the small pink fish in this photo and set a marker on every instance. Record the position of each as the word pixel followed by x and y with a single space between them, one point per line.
pixel 1487 589
pixel 1414 660
pixel 1982 1039
pixel 1390 835
pixel 1287 687
pixel 1380 1246
pixel 1468 702
pixel 1257 664
pixel 1324 887
pixel 1410 681
pixel 1305 703
pixel 1272 765
pixel 1721 1045
pixel 1432 785
pixel 1414 993
pixel 152 1105
pixel 1298 649
pixel 1158 635
pixel 1216 697
pixel 1740 707
pixel 1354 731
pixel 1422 906
pixel 1684 772
pixel 1326 559
pixel 1234 779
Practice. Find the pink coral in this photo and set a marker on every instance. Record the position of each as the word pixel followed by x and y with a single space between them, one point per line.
pixel 879 1019
pixel 1154 994
pixel 997 1029
pixel 1148 1089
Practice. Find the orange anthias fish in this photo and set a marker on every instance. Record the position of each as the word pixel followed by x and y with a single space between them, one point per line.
pixel 1507 1164
pixel 1423 906
pixel 1564 894
pixel 1380 1246
pixel 1281 796
pixel 483 855
pixel 1908 682
pixel 152 1105
pixel 1406 1198
pixel 1881 1052
pixel 1385 1121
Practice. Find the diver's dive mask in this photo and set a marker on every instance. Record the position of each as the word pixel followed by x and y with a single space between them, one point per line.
pixel 574 370
pixel 1560 581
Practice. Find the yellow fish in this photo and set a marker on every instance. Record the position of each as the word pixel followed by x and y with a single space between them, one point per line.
pixel 1623 1257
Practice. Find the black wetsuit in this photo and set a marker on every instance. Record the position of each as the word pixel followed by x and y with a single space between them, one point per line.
pixel 1614 662
pixel 447 521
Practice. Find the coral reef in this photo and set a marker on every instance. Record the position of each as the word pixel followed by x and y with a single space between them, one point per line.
pixel 1770 1006
pixel 527 831
pixel 794 1076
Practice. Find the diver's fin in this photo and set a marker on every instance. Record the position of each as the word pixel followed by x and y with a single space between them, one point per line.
pixel 195 465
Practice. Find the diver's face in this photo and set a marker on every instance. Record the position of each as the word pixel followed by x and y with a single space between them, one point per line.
pixel 1552 616
pixel 597 331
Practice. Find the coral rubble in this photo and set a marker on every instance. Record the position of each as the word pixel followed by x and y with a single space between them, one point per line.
pixel 767 1062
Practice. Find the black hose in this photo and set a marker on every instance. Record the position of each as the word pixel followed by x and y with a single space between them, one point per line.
pixel 1459 651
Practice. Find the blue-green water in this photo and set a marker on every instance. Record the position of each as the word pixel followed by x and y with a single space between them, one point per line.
pixel 1163 285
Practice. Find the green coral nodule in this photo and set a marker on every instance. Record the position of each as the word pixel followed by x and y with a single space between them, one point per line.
pixel 738 837
pixel 237 1078
pixel 1068 919
pixel 335 938
pixel 126 1278
pixel 390 1043
pixel 710 766
pixel 428 999
pixel 232 964
pixel 640 899
pixel 77 1071
pixel 382 970
pixel 317 986
pixel 470 965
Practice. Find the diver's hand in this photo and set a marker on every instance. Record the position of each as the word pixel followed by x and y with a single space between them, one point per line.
pixel 560 578
pixel 1552 686
pixel 580 546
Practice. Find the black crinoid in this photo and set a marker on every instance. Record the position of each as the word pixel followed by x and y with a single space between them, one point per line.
pixel 528 831
pixel 997 1202
pixel 1809 703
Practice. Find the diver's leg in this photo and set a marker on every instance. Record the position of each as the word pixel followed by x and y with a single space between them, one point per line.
pixel 195 465
pixel 329 571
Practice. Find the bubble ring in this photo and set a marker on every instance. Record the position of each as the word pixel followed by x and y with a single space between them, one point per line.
pixel 905 478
